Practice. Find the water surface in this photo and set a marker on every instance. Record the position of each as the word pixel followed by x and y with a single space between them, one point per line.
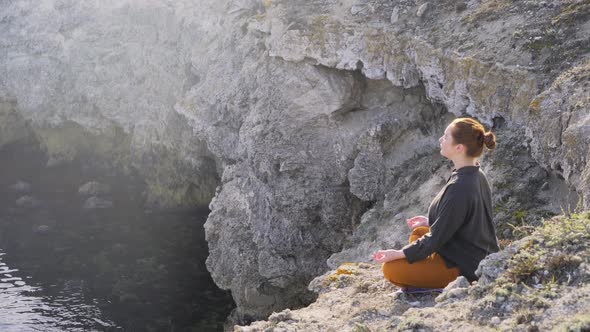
pixel 122 268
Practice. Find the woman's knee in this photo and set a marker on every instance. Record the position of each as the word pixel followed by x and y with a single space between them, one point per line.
pixel 429 273
pixel 389 275
pixel 393 270
pixel 388 269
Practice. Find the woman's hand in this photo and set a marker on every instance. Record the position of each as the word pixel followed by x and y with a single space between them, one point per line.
pixel 388 255
pixel 417 221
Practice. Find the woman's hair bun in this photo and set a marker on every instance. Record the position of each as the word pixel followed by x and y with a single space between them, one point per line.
pixel 489 139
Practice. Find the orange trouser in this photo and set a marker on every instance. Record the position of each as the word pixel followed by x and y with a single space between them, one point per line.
pixel 430 272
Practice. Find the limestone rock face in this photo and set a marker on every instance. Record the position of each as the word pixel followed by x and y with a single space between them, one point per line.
pixel 559 126
pixel 470 71
pixel 101 79
pixel 314 123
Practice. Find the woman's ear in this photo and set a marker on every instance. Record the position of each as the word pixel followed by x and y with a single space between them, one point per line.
pixel 460 148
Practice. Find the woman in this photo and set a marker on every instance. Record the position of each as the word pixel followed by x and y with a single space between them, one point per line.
pixel 458 232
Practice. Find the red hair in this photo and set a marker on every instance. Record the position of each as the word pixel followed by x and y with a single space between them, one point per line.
pixel 472 135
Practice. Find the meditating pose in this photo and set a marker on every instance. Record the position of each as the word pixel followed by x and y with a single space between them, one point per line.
pixel 458 232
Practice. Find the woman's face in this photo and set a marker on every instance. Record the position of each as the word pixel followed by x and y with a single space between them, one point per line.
pixel 447 146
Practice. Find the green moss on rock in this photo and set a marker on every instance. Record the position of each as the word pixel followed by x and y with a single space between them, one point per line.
pixel 170 180
pixel 572 12
pixel 13 127
pixel 549 257
pixel 578 323
pixel 485 9
pixel 70 141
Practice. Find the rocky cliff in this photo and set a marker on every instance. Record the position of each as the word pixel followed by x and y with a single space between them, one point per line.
pixel 98 81
pixel 316 121
pixel 538 283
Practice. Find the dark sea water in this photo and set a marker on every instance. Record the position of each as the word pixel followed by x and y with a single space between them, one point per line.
pixel 121 268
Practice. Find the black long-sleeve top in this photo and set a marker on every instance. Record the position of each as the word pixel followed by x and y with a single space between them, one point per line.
pixel 461 228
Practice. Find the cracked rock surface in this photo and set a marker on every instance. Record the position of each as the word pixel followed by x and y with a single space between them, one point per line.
pixel 539 282
pixel 314 124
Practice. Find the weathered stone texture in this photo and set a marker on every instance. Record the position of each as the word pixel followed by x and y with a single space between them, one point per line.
pixel 317 121
pixel 102 78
